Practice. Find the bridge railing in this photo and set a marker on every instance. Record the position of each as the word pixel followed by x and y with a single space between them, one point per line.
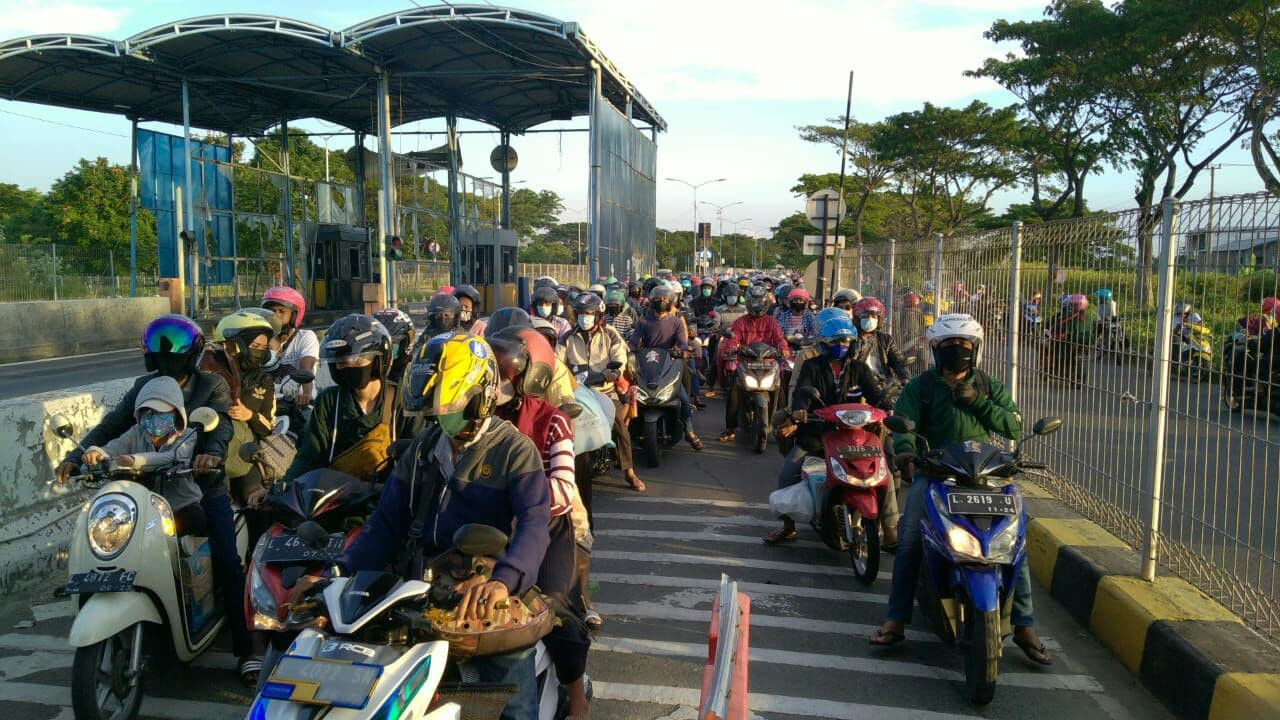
pixel 1168 441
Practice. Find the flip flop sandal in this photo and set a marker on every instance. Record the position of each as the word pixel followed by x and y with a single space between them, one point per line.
pixel 887 638
pixel 249 669
pixel 593 619
pixel 1035 653
pixel 635 482
pixel 727 436
pixel 694 442
pixel 780 536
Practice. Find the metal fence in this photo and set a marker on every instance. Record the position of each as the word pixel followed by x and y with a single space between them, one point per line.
pixel 578 275
pixel 43 271
pixel 1168 441
pixel 419 280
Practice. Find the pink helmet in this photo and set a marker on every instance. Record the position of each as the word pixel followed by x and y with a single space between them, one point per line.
pixel 868 306
pixel 1077 301
pixel 288 297
pixel 446 289
pixel 1271 306
pixel 798 294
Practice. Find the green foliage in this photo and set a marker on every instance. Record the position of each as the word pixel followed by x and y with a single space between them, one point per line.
pixel 22 216
pixel 89 208
pixel 543 251
pixel 534 212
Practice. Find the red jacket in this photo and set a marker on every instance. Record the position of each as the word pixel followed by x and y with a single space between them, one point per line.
pixel 748 329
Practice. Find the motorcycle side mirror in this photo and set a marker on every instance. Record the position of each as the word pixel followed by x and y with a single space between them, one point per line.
pixel 477 539
pixel 900 424
pixel 302 377
pixel 1047 426
pixel 204 419
pixel 61 426
pixel 311 533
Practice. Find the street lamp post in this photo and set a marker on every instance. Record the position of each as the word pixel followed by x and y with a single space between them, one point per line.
pixel 720 219
pixel 695 212
pixel 734 223
pixel 578 225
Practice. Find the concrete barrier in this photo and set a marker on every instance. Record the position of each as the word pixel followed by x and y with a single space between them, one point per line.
pixel 39 330
pixel 35 520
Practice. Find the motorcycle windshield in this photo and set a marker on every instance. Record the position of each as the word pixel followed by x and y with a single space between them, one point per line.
pixel 974 463
pixel 364 591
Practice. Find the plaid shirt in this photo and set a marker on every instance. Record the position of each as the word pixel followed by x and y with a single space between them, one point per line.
pixel 805 323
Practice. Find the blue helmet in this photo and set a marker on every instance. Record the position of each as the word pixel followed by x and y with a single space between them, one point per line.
pixel 1104 294
pixel 826 314
pixel 838 327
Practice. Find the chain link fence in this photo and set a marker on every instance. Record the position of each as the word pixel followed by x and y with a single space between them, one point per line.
pixel 1144 331
pixel 43 271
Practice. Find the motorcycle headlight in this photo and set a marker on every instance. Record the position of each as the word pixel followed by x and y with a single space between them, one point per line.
pixel 1000 549
pixel 166 514
pixel 751 382
pixel 963 543
pixel 112 518
pixel 767 382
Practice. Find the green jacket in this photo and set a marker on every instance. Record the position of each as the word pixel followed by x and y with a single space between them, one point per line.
pixel 353 425
pixel 943 423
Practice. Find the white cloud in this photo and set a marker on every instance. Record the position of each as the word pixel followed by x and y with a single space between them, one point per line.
pixel 23 17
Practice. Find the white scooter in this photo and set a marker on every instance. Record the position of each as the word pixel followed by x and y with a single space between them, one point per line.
pixel 370 647
pixel 139 585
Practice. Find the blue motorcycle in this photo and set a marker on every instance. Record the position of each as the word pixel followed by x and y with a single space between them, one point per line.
pixel 974 543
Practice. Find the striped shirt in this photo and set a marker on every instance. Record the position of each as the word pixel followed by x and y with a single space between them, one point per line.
pixel 552 433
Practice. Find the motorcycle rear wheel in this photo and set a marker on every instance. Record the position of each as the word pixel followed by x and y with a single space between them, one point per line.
pixel 99 679
pixel 981 647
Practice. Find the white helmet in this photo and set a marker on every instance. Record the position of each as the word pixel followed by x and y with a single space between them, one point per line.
pixel 955 325
pixel 676 287
pixel 597 288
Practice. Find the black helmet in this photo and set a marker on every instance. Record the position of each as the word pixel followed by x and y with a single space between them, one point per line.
pixel 650 284
pixel 588 302
pixel 545 296
pixel 504 318
pixel 661 297
pixel 353 337
pixel 467 291
pixel 442 314
pixel 757 300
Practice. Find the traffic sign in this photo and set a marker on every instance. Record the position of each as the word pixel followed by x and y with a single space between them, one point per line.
pixel 825 202
pixel 704 254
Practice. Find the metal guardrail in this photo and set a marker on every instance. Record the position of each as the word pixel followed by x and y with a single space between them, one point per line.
pixel 724 685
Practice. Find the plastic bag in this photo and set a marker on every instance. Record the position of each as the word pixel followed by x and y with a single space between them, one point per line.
pixel 593 429
pixel 794 501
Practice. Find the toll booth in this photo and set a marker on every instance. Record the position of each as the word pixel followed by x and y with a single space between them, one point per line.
pixel 489 263
pixel 340 267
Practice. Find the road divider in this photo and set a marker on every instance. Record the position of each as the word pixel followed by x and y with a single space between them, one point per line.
pixel 725 677
pixel 58 328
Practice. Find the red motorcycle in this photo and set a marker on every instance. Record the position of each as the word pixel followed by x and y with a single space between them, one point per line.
pixel 848 483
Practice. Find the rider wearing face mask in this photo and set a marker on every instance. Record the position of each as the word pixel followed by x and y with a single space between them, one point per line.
pixel 704 298
pixel 359 416
pixel 795 318
pixel 245 341
pixel 545 304
pixel 469 305
pixel 875 347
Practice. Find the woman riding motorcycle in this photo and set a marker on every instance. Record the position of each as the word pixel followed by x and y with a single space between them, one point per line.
pixel 299 348
pixel 244 338
pixel 544 304
pixel 469 305
pixel 875 347
pixel 796 319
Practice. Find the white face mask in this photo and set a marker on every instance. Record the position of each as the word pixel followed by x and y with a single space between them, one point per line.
pixel 586 322
pixel 869 324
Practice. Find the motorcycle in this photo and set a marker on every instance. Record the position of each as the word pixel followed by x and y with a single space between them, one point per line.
pixel 141 587
pixel 600 460
pixel 1193 349
pixel 373 645
pixel 1246 383
pixel 1111 338
pixel 1032 327
pixel 758 378
pixel 974 534
pixel 291 418
pixel 848 483
pixel 659 374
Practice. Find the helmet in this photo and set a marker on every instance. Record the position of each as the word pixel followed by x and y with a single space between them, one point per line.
pixel 835 328
pixel 1103 294
pixel 398 324
pixel 544 281
pixel 467 291
pixel 242 324
pixel 545 329
pixel 798 294
pixel 757 300
pixel 1182 308
pixel 743 282
pixel 910 300
pixel 588 302
pixel 442 313
pixel 1077 302
pixel 708 282
pixel 357 336
pixel 868 306
pixel 662 292
pixel 544 295
pixel 614 297
pixel 1271 306
pixel 686 283
pixel 676 288
pixel 171 345
pixel 955 325
pixel 650 284
pixel 848 295
pixel 781 291
pixel 287 297
pixel 504 318
pixel 267 315
pixel 524 358
pixel 611 281
pixel 598 289
pixel 454 378
pixel 826 314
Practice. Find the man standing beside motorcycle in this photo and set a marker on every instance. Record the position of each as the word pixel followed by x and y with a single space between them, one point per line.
pixel 835 376
pixel 952 402
pixel 754 327
pixel 466 467
pixel 600 351
pixel 662 328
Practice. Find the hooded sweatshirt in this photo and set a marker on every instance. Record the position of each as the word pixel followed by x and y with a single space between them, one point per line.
pixel 163 394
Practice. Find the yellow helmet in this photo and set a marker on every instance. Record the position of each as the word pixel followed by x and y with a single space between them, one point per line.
pixel 239 322
pixel 454 378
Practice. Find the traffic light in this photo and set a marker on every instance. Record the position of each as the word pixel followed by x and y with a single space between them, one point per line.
pixel 395 248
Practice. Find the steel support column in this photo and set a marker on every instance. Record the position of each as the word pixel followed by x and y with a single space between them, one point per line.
pixel 287 206
pixel 506 183
pixel 133 208
pixel 1013 370
pixel 188 204
pixel 386 220
pixel 1157 422
pixel 455 209
pixel 361 212
pixel 593 200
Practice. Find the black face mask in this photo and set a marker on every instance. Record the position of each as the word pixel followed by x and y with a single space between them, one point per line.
pixel 353 378
pixel 797 307
pixel 174 366
pixel 662 305
pixel 253 358
pixel 955 358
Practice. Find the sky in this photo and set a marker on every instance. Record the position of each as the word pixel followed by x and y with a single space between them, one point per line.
pixel 733 80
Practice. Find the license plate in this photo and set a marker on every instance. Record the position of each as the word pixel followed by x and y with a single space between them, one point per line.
pixel 291 549
pixel 322 682
pixel 96 581
pixel 982 504
pixel 761 365
pixel 859 452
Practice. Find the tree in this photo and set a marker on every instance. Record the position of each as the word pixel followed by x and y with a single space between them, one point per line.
pixel 89 208
pixel 1253 30
pixel 868 171
pixel 22 216
pixel 534 212
pixel 541 251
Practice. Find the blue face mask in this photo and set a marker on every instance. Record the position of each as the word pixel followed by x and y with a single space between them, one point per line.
pixel 731 300
pixel 837 352
pixel 544 310
pixel 157 425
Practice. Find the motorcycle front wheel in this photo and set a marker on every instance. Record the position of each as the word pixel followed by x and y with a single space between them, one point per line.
pixel 981 646
pixel 863 540
pixel 652 443
pixel 101 687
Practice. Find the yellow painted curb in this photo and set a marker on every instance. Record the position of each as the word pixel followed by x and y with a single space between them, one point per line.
pixel 1125 607
pixel 1245 695
pixel 1046 535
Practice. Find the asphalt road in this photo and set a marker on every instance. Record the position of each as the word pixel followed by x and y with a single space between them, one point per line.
pixel 37 376
pixel 658 559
